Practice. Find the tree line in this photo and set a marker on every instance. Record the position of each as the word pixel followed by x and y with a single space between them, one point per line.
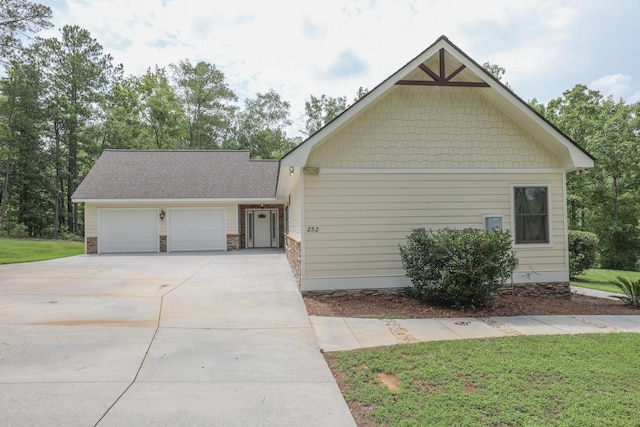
pixel 63 101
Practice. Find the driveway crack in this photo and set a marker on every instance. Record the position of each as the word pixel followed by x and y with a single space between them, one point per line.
pixel 146 353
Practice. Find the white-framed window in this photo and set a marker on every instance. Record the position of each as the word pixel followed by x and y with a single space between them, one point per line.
pixel 531 214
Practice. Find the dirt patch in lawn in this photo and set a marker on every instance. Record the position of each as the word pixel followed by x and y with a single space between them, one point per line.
pixel 388 380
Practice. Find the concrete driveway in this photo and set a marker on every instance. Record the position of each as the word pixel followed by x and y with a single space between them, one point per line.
pixel 215 339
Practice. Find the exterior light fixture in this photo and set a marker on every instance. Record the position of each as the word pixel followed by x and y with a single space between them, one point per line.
pixel 162 215
pixel 291 170
pixel 311 171
pixel 262 206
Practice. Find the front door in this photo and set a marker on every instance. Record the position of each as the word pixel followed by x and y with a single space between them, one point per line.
pixel 262 228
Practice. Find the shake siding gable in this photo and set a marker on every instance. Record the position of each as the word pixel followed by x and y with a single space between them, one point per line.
pixel 433 127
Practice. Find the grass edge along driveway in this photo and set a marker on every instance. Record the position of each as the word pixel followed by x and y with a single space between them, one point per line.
pixel 585 380
pixel 28 250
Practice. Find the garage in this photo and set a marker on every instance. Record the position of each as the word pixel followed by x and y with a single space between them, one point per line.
pixel 196 229
pixel 127 230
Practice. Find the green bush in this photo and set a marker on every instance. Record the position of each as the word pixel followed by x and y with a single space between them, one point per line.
pixel 631 290
pixel 619 244
pixel 19 231
pixel 583 248
pixel 461 268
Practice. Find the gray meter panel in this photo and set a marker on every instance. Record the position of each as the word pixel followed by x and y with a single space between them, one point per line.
pixel 493 223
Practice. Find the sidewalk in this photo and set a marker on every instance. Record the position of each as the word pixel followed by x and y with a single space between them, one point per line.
pixel 341 333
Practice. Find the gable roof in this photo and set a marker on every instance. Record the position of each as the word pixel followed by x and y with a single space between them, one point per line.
pixel 444 64
pixel 137 174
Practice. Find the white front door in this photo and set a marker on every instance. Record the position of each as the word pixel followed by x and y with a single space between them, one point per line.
pixel 262 228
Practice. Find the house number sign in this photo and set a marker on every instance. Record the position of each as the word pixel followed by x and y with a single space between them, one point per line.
pixel 313 229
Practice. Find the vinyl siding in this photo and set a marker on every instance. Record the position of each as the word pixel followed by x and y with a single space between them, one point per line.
pixel 91 214
pixel 362 218
pixel 433 127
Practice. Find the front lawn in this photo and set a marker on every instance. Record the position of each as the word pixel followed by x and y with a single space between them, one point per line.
pixel 27 250
pixel 599 279
pixel 586 380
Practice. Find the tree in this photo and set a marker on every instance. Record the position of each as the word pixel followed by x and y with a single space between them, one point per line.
pixel 79 75
pixel 362 91
pixel 206 101
pixel 578 114
pixel 604 199
pixel 122 127
pixel 320 111
pixel 20 18
pixel 496 71
pixel 615 194
pixel 25 190
pixel 262 124
pixel 161 110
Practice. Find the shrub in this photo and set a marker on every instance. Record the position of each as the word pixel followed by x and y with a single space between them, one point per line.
pixel 19 231
pixel 583 248
pixel 462 268
pixel 631 290
pixel 619 244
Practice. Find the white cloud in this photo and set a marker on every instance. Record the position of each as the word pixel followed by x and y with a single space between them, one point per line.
pixel 293 45
pixel 618 86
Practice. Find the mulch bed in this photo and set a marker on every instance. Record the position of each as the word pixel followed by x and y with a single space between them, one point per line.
pixel 505 305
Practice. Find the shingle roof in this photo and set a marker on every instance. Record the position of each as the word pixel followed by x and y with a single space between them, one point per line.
pixel 134 174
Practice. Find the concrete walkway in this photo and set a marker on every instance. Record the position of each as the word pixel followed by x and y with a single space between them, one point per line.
pixel 340 333
pixel 161 340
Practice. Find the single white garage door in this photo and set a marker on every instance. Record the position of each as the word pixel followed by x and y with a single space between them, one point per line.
pixel 127 230
pixel 196 229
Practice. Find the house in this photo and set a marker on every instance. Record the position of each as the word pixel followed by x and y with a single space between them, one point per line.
pixel 440 143
pixel 159 201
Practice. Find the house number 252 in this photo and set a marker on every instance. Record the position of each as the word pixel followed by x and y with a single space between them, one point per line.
pixel 313 229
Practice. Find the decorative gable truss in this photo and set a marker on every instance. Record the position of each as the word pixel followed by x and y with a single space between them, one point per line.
pixel 443 77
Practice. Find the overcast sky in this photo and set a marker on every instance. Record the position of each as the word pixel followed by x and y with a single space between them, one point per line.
pixel 300 48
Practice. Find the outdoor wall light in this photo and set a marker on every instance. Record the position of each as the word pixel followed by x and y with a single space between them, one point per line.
pixel 291 170
pixel 162 215
pixel 262 206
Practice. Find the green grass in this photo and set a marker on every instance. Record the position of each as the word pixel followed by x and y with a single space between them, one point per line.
pixel 27 250
pixel 585 380
pixel 599 279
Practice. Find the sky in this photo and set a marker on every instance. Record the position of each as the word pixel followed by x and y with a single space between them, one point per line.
pixel 301 48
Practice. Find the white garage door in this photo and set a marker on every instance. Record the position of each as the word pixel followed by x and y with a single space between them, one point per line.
pixel 196 229
pixel 127 230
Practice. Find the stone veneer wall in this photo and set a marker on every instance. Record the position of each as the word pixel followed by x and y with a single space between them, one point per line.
pixel 233 242
pixel 550 289
pixel 294 256
pixel 91 245
pixel 553 290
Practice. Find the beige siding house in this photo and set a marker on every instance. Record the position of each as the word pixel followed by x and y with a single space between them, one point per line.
pixel 171 201
pixel 440 143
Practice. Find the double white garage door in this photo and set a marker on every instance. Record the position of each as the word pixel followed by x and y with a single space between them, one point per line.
pixel 138 230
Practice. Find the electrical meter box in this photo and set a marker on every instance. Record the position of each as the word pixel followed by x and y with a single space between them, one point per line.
pixel 493 223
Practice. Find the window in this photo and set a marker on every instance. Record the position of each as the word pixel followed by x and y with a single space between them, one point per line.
pixel 531 214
